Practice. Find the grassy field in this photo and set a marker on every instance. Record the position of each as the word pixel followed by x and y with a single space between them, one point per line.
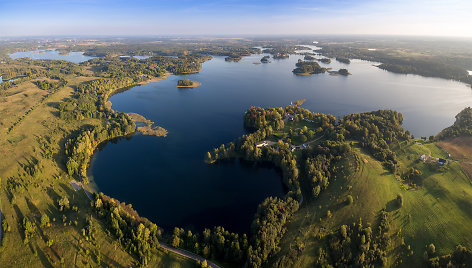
pixel 461 150
pixel 437 212
pixel 38 138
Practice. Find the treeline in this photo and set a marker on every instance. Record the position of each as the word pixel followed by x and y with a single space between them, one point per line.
pixel 460 257
pixel 356 246
pixel 26 67
pixel 80 148
pixel 218 244
pixel 128 66
pixel 376 131
pixel 168 48
pixel 308 67
pixel 21 70
pixel 461 127
pixel 5 85
pixel 320 163
pixel 441 64
pixel 50 86
pixel 137 235
pixel 268 228
pixel 89 102
pixel 90 97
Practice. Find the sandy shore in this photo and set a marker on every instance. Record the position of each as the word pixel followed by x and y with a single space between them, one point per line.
pixel 155 79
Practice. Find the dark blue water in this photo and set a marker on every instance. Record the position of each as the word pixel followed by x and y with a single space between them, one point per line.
pixel 50 54
pixel 166 179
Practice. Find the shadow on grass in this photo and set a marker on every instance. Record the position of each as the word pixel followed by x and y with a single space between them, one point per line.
pixel 392 205
pixel 43 258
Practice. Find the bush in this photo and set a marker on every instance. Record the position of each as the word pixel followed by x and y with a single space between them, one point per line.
pixel 349 200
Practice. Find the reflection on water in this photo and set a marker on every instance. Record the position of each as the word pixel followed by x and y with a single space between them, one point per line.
pixel 166 179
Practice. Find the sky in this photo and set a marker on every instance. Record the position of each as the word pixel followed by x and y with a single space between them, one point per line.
pixel 232 17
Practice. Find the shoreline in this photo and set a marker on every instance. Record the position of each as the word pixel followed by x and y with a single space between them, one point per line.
pixel 155 79
pixel 92 185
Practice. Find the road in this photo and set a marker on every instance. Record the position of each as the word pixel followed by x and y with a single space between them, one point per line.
pixel 187 254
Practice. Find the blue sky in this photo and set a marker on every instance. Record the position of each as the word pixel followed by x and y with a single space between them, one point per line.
pixel 202 17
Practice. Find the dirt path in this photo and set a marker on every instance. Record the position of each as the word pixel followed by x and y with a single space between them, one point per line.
pixel 188 254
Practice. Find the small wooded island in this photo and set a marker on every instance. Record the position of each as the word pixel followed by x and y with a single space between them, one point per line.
pixel 265 59
pixel 187 83
pixel 308 68
pixel 325 60
pixel 233 57
pixel 344 72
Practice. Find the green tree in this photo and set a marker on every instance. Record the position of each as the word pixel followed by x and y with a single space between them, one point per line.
pixel 63 203
pixel 45 222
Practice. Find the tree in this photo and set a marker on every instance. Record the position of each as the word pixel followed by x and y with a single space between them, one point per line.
pixel 45 222
pixel 63 203
pixel 431 249
pixel 399 200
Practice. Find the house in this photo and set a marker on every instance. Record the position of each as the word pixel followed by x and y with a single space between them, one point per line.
pixel 262 144
pixel 422 158
pixel 442 161
pixel 290 117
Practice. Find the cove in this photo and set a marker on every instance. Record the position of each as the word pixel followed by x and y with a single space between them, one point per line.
pixel 166 179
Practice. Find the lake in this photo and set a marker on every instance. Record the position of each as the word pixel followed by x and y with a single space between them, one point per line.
pixel 51 54
pixel 166 179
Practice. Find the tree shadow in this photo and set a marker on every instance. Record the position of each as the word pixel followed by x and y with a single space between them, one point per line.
pixel 392 205
pixel 19 217
pixel 43 258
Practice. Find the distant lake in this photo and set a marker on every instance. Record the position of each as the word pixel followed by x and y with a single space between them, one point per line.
pixel 167 180
pixel 51 54
pixel 137 57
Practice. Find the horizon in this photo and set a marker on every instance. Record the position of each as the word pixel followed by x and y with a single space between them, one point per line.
pixel 27 18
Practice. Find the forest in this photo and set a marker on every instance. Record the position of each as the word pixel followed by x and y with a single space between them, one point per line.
pixel 461 127
pixel 308 67
pixel 446 60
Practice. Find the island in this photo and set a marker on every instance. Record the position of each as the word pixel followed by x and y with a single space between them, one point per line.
pixel 233 57
pixel 325 60
pixel 343 60
pixel 308 68
pixel 309 57
pixel 187 83
pixel 281 56
pixel 344 72
pixel 265 59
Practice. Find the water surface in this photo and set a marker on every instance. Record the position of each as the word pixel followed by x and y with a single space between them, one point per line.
pixel 51 54
pixel 166 179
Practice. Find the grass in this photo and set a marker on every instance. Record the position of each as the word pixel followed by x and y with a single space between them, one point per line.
pixel 41 131
pixel 439 212
pixel 460 149
pixel 284 132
